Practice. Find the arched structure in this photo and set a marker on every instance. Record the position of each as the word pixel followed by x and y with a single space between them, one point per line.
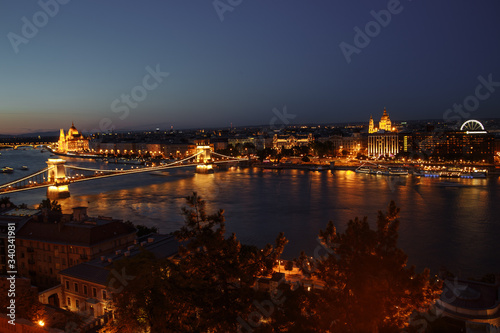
pixel 472 127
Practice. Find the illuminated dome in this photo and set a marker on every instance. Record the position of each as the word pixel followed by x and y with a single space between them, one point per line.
pixel 73 132
pixel 385 122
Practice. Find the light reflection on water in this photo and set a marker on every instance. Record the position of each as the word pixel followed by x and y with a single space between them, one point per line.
pixel 450 223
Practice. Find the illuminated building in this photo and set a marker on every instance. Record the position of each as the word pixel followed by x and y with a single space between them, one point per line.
pixel 467 145
pixel 351 144
pixel 383 144
pixel 382 140
pixel 371 126
pixel 384 124
pixel 72 142
pixel 285 141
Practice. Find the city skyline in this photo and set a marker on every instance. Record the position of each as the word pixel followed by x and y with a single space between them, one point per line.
pixel 213 64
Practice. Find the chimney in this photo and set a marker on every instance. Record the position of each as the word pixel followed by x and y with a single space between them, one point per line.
pixel 143 243
pixel 151 240
pixel 117 252
pixel 79 214
pixel 127 253
pixel 130 247
pixel 110 260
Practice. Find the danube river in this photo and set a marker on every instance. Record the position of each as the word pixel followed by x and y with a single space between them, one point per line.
pixel 453 223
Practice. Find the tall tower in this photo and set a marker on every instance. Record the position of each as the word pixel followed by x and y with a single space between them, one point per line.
pixel 371 127
pixel 62 142
pixel 57 176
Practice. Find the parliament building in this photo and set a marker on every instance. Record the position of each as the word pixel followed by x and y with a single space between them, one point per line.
pixel 72 142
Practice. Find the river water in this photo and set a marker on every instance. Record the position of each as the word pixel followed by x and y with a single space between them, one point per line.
pixel 453 223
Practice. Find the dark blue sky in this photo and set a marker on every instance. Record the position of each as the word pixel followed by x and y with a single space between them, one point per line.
pixel 263 55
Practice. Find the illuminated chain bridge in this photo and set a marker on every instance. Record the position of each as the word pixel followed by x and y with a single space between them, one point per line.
pixel 57 175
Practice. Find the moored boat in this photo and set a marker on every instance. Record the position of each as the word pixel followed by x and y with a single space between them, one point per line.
pixel 363 169
pixel 396 172
pixel 7 170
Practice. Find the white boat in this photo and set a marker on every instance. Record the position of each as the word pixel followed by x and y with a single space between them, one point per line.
pixel 474 174
pixel 363 169
pixel 479 174
pixel 426 173
pixel 24 167
pixel 7 170
pixel 396 172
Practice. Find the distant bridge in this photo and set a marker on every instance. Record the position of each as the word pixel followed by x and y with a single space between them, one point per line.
pixel 16 145
pixel 57 175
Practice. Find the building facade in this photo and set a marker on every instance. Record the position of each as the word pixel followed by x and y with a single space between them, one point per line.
pixel 44 249
pixel 450 145
pixel 383 144
pixel 289 141
pixel 88 288
pixel 72 142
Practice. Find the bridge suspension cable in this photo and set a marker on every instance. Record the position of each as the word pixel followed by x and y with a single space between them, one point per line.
pixel 230 157
pixel 25 178
pixel 136 170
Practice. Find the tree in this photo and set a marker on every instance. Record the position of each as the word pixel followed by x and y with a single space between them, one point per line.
pixel 219 271
pixel 207 287
pixel 51 210
pixel 6 203
pixel 147 302
pixel 142 230
pixel 368 285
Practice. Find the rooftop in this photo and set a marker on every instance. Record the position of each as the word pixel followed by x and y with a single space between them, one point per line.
pixel 97 270
pixel 91 232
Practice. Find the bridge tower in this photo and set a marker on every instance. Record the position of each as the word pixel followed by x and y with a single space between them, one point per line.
pixel 204 159
pixel 57 176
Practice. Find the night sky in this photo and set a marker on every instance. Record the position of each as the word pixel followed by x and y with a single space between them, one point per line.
pixel 235 64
